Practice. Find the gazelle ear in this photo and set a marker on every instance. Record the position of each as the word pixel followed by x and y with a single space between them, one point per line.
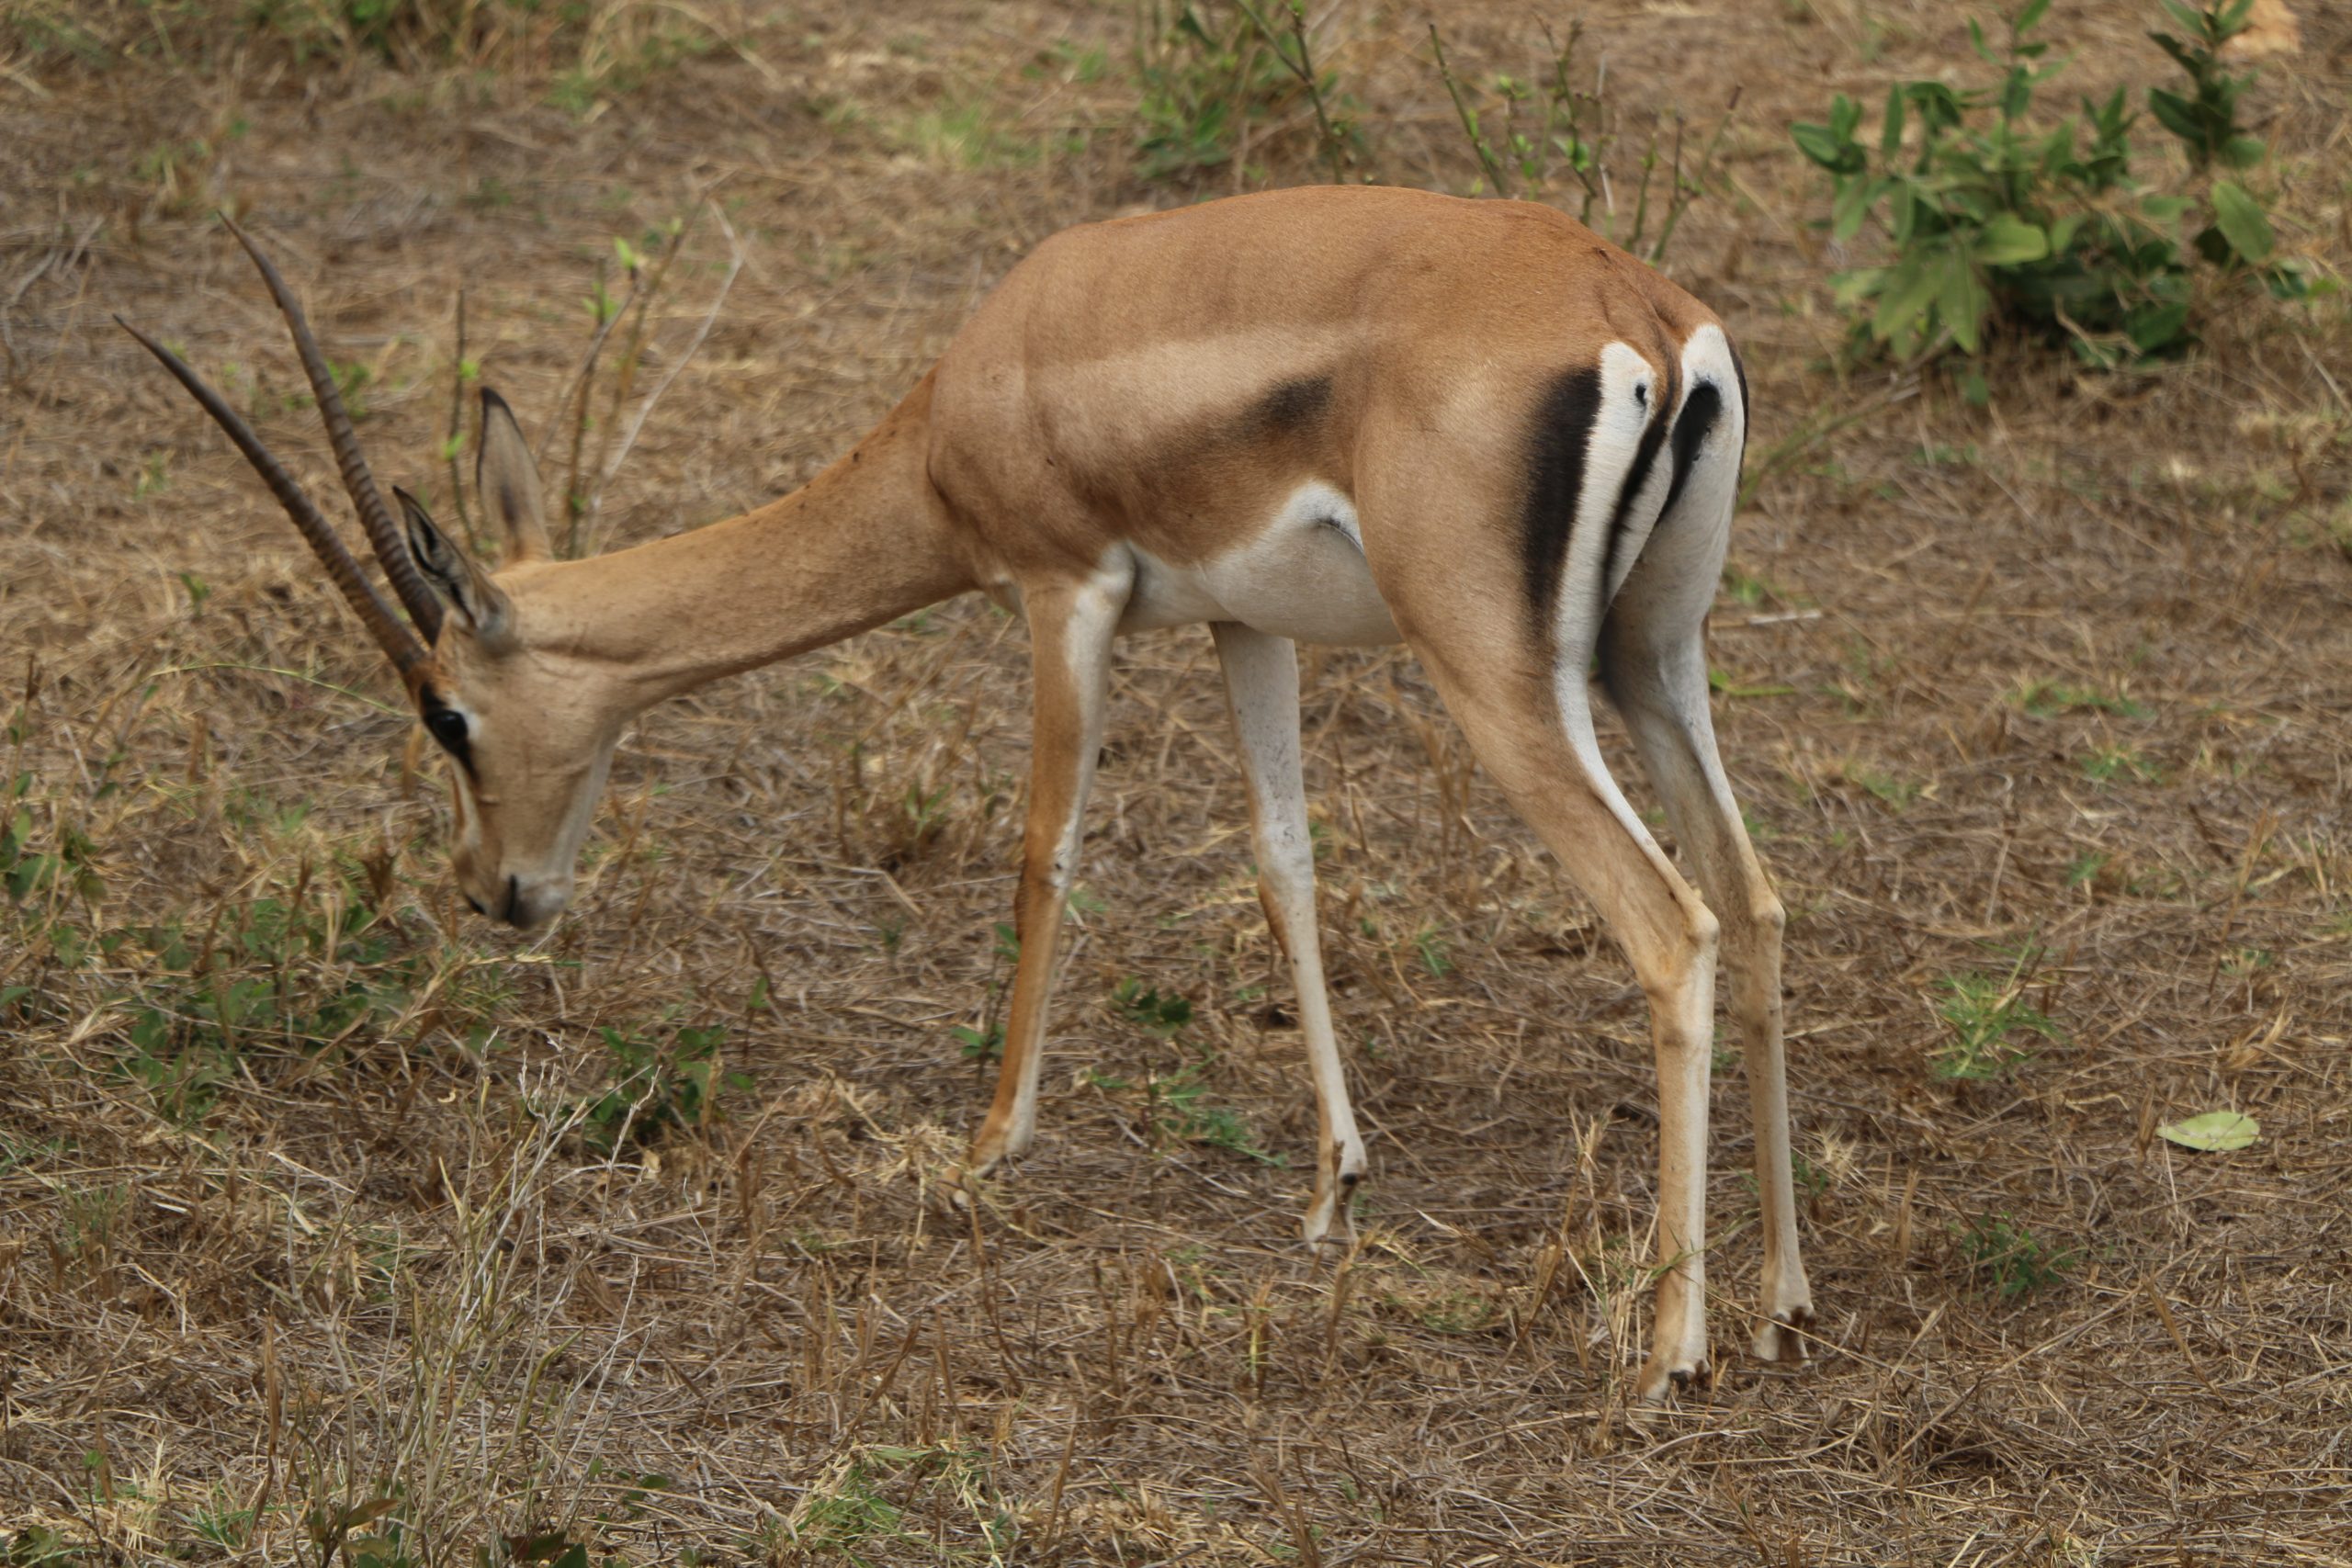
pixel 508 482
pixel 488 614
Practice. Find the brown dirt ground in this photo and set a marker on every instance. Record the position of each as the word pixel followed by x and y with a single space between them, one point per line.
pixel 2047 695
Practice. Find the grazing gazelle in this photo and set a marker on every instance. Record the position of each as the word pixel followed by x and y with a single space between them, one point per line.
pixel 1330 415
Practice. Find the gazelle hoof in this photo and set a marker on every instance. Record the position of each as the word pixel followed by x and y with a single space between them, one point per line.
pixel 1330 1203
pixel 1784 1339
pixel 957 1192
pixel 1663 1382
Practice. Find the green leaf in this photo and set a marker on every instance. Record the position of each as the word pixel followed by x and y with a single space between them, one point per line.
pixel 1890 135
pixel 2017 93
pixel 2242 152
pixel 1826 147
pixel 2240 221
pixel 2214 1132
pixel 1962 302
pixel 2177 116
pixel 2157 327
pixel 1852 206
pixel 2030 16
pixel 2009 239
pixel 2183 15
pixel 2179 53
pixel 1909 289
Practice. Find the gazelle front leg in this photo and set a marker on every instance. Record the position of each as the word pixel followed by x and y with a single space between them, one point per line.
pixel 1070 632
pixel 1262 685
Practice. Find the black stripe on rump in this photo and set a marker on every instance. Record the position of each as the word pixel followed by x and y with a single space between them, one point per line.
pixel 1645 458
pixel 1691 428
pixel 1740 373
pixel 1555 456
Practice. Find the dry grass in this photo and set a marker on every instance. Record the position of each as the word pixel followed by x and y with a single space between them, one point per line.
pixel 2036 710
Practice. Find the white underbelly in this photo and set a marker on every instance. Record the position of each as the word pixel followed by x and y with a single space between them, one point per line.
pixel 1303 576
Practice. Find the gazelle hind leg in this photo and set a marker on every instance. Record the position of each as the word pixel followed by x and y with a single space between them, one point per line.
pixel 1664 706
pixel 1653 660
pixel 1070 628
pixel 1537 743
pixel 1262 685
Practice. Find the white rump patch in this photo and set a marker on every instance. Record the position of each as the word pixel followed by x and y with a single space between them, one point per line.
pixel 1609 455
pixel 1628 385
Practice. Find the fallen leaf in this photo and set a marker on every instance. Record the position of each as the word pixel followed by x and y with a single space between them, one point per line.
pixel 2216 1129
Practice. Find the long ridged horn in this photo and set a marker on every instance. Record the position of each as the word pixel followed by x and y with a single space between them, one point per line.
pixel 374 517
pixel 397 641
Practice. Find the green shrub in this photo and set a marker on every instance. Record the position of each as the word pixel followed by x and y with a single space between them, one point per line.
pixel 1551 140
pixel 652 1089
pixel 1998 223
pixel 1211 77
pixel 1986 1015
pixel 2008 1259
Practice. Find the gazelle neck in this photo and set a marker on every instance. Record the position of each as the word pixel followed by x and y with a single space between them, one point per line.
pixel 865 541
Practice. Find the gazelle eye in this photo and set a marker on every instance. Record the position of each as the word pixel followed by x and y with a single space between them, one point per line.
pixel 449 727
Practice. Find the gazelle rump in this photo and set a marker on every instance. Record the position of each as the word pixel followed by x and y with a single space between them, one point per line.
pixel 1339 415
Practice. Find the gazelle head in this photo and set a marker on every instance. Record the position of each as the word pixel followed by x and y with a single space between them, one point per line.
pixel 528 725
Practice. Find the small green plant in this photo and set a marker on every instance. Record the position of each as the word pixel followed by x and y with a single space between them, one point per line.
pixel 1986 1016
pixel 1336 137
pixel 654 1089
pixel 37 1546
pixel 2206 119
pixel 223 1526
pixel 2010 1261
pixel 850 1515
pixel 968 135
pixel 68 863
pixel 1166 1016
pixel 2000 223
pixel 1213 78
pixel 1201 80
pixel 1533 139
pixel 1181 1110
pixel 2106 764
pixel 2048 699
pixel 198 590
pixel 1889 791
pixel 1814 1181
pixel 985 1043
pixel 292 970
pixel 1749 590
